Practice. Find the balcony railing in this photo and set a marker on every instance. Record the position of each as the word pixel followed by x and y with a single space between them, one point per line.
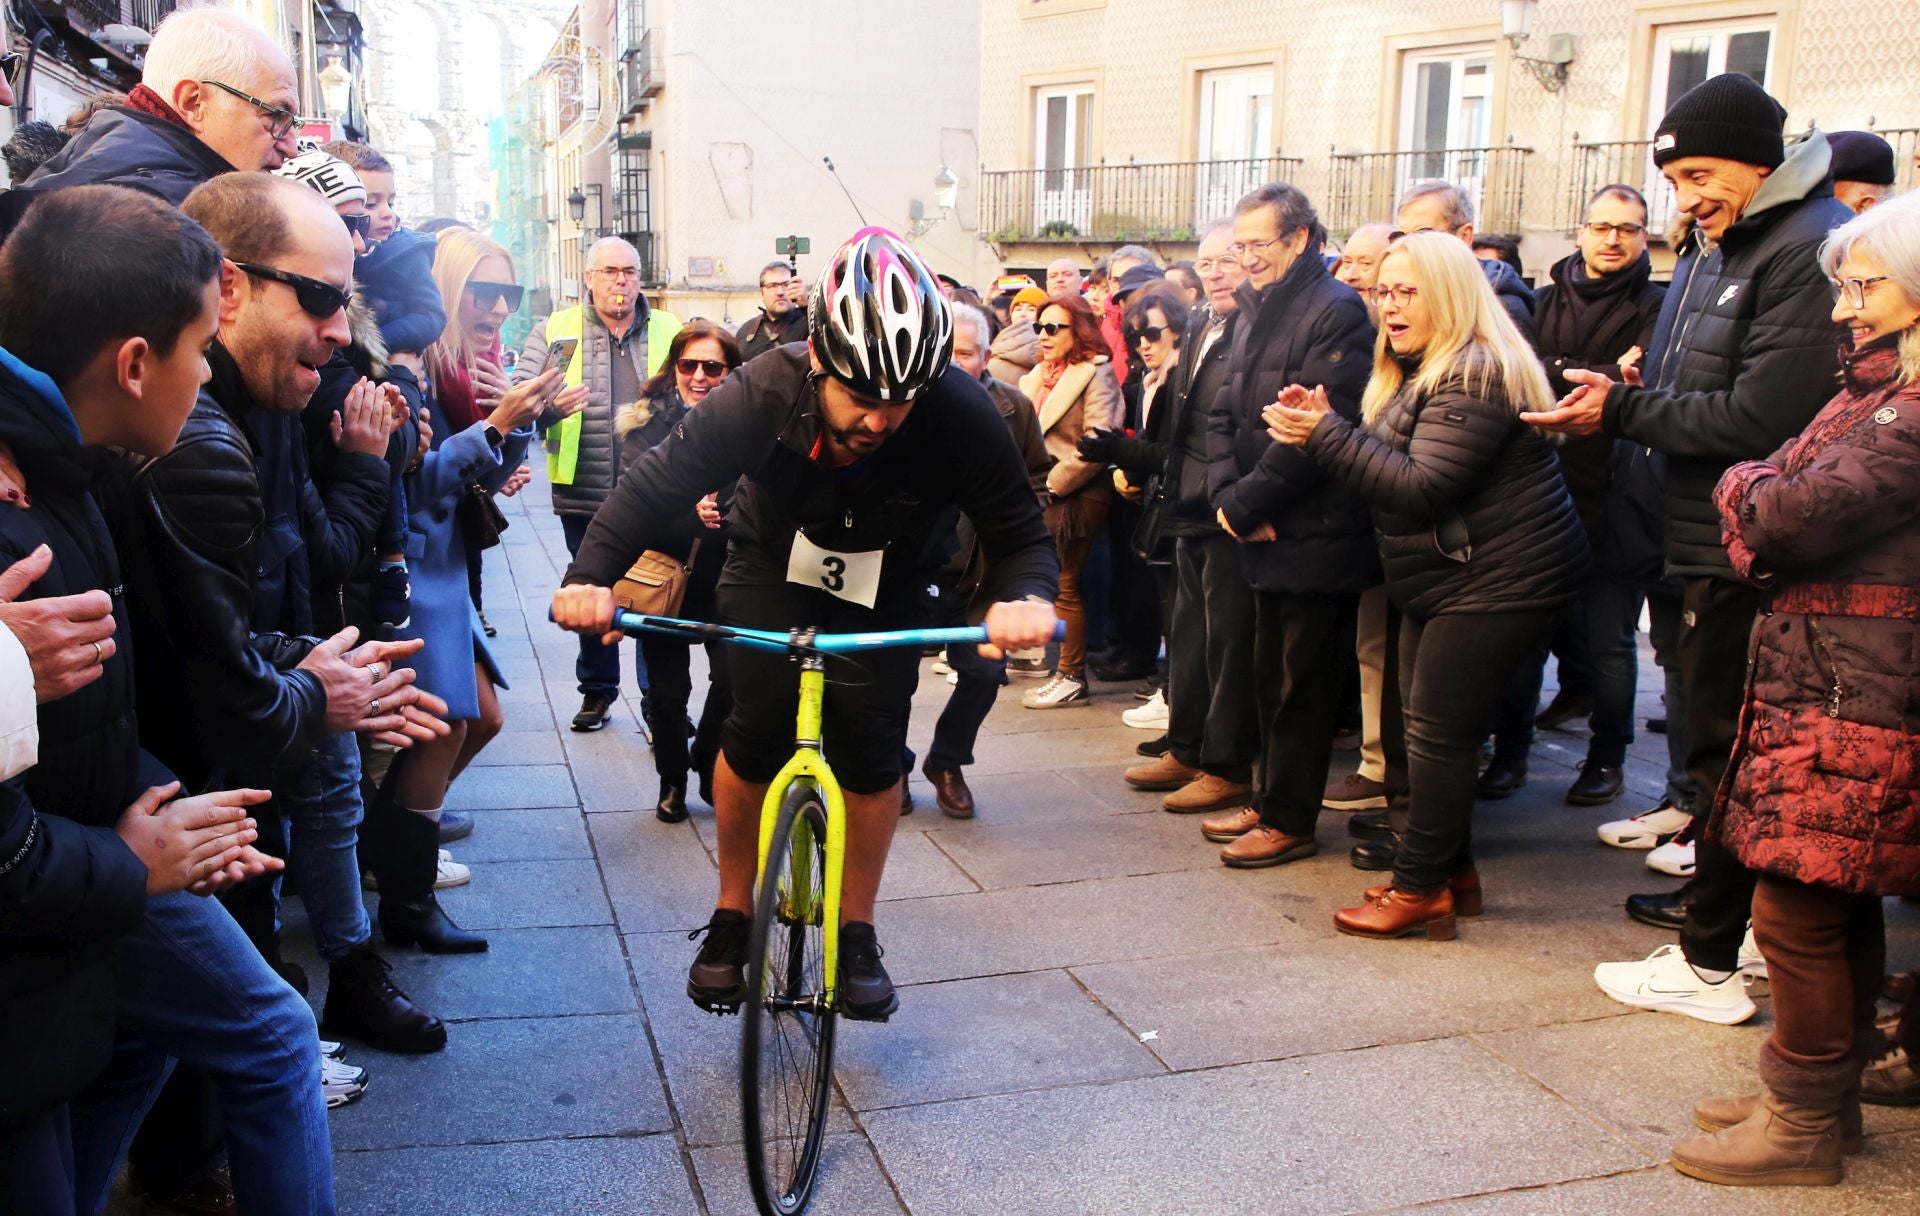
pixel 1365 187
pixel 148 14
pixel 1157 202
pixel 1906 145
pixel 1627 162
pixel 642 72
pixel 653 271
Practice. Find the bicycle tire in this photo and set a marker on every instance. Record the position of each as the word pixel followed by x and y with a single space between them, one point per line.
pixel 786 1049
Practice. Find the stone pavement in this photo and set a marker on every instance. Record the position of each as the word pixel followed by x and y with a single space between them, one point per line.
pixel 1095 1015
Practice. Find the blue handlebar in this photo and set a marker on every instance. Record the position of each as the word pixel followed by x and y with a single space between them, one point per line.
pixel 830 643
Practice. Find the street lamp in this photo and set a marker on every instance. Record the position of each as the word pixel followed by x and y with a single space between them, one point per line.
pixel 946 192
pixel 577 205
pixel 336 87
pixel 1516 26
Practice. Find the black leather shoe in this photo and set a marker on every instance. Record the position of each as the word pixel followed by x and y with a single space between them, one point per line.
pixel 1657 726
pixel 672 807
pixel 455 826
pixel 1597 785
pixel 1667 911
pixel 1502 777
pixel 1119 671
pixel 1375 854
pixel 866 991
pixel 1153 748
pixel 717 981
pixel 364 1003
pixel 1369 824
pixel 423 923
pixel 596 709
pixel 1564 709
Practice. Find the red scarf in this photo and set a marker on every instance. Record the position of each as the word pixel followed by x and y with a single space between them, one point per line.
pixel 150 103
pixel 454 388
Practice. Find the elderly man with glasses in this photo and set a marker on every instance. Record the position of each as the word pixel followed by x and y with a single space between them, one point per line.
pixel 619 342
pixel 217 94
pixel 781 318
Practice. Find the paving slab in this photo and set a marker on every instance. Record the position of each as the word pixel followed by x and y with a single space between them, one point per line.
pixel 851 1182
pixel 511 1079
pixel 605 1176
pixel 525 834
pixel 1038 852
pixel 1001 798
pixel 971 1037
pixel 917 867
pixel 520 748
pixel 525 973
pixel 529 895
pixel 658 875
pixel 486 789
pixel 1256 1138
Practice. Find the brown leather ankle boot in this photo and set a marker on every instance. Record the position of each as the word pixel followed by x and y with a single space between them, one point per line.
pixel 1467 897
pixel 1396 913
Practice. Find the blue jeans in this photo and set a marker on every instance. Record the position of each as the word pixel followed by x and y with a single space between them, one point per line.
pixel 320 805
pixel 1613 621
pixel 598 667
pixel 1663 630
pixel 192 988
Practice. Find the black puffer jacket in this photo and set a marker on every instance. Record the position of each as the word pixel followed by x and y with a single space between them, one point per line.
pixel 1307 328
pixel 70 887
pixel 1468 500
pixel 1513 293
pixel 758 335
pixel 1742 356
pixel 121 147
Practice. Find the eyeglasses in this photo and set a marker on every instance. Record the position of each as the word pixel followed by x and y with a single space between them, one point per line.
pixel 617 272
pixel 781 284
pixel 1627 231
pixel 1241 248
pixel 485 294
pixel 714 368
pixel 1225 261
pixel 1402 296
pixel 279 121
pixel 1148 333
pixel 1051 328
pixel 1854 291
pixel 359 225
pixel 317 299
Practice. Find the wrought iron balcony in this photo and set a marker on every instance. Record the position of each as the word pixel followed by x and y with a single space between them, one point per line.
pixel 1627 162
pixel 148 14
pixel 1365 187
pixel 1168 201
pixel 653 271
pixel 642 73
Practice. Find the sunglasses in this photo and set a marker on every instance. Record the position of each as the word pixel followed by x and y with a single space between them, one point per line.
pixel 317 299
pixel 359 225
pixel 714 368
pixel 1051 328
pixel 1149 333
pixel 485 294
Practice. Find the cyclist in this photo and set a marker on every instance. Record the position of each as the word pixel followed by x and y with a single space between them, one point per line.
pixel 852 452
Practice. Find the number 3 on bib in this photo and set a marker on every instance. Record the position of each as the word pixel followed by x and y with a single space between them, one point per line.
pixel 854 577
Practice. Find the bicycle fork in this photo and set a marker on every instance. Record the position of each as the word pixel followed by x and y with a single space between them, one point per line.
pixel 800 899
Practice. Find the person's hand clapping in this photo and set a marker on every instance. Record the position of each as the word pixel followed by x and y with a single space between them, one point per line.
pixel 1295 412
pixel 1630 366
pixel 185 842
pixel 364 420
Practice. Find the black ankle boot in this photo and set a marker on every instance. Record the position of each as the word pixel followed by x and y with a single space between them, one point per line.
pixel 409 913
pixel 672 807
pixel 364 1003
pixel 422 922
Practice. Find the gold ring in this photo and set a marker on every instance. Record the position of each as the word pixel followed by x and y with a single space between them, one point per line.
pixel 99 655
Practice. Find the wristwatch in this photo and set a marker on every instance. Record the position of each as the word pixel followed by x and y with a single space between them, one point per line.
pixel 494 439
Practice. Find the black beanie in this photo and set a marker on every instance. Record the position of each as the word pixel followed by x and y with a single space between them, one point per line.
pixel 1727 116
pixel 1861 156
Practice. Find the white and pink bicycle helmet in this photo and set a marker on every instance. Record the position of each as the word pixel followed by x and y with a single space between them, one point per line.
pixel 877 319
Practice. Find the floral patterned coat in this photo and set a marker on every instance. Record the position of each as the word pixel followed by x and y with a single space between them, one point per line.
pixel 1824 782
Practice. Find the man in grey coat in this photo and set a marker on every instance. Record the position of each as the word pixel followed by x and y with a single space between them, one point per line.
pixel 621 344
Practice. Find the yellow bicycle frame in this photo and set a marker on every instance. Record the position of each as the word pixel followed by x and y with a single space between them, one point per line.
pixel 809 764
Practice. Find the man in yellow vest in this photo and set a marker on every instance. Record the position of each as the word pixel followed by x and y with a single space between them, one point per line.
pixel 622 343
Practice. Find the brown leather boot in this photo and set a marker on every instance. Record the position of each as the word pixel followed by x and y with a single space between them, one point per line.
pixel 1467 898
pixel 1395 913
pixel 1719 1114
pixel 1792 1139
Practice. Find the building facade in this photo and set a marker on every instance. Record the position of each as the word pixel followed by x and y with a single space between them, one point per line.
pixel 1106 121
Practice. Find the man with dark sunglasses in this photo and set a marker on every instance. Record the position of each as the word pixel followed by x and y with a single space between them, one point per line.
pixel 620 343
pixel 217 94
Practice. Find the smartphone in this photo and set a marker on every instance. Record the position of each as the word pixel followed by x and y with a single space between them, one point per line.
pixel 559 355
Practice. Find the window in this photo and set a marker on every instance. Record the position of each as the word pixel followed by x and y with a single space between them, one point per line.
pixel 1236 114
pixel 1062 146
pixel 1685 55
pixel 1446 101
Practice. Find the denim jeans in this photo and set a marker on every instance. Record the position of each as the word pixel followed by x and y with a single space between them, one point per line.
pixel 320 804
pixel 1613 619
pixel 1663 630
pixel 598 667
pixel 192 988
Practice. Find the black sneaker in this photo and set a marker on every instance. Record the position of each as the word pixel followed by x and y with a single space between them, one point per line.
pixel 866 992
pixel 717 981
pixel 596 709
pixel 1153 749
pixel 1597 784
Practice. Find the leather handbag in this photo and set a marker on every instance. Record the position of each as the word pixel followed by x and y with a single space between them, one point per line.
pixel 656 583
pixel 1148 544
pixel 480 517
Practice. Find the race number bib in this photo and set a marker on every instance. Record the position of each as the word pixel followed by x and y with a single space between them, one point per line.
pixel 854 577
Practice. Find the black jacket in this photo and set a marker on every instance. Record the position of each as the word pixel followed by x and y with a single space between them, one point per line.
pixel 1742 356
pixel 121 147
pixel 1588 323
pixel 190 527
pixel 758 335
pixel 1172 446
pixel 1307 328
pixel 764 425
pixel 1468 500
pixel 1513 293
pixel 76 888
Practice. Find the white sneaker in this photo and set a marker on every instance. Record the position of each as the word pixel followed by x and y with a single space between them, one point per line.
pixel 1028 664
pixel 1665 981
pixel 953 677
pixel 1060 692
pixel 940 665
pixel 1151 716
pixel 448 873
pixel 1647 829
pixel 1674 857
pixel 341 1083
pixel 330 1049
pixel 1752 962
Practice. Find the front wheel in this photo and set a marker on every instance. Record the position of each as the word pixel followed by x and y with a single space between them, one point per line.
pixel 786 1033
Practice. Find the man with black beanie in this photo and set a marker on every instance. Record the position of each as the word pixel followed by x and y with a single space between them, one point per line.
pixel 1862 168
pixel 1741 359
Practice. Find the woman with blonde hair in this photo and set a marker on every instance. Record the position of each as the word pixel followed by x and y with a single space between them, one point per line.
pixel 1479 538
pixel 480 432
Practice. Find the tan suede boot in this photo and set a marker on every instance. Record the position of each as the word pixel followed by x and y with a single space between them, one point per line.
pixel 1718 1114
pixel 1791 1139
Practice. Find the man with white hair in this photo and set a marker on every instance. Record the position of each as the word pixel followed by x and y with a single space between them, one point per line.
pixel 217 95
pixel 1063 277
pixel 620 343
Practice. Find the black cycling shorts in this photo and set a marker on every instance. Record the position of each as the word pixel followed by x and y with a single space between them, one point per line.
pixel 864 718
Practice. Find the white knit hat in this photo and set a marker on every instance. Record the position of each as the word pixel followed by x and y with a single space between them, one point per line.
pixel 328 175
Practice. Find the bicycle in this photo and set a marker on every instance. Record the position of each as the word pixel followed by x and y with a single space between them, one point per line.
pixel 790 1011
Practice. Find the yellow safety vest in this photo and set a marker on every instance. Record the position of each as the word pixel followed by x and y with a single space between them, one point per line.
pixel 563 441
